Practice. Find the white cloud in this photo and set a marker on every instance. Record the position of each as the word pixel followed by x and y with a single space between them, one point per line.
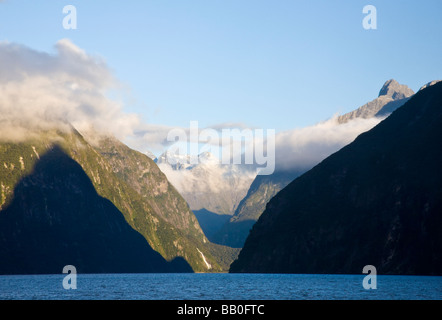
pixel 305 147
pixel 38 89
pixel 297 149
pixel 211 185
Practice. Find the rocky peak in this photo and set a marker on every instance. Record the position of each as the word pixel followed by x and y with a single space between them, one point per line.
pixel 393 89
pixel 391 96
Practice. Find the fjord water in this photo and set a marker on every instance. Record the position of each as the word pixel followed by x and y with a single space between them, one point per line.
pixel 219 286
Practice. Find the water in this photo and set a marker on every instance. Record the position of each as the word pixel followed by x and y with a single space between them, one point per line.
pixel 219 286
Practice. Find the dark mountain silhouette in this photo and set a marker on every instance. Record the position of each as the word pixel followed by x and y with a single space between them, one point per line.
pixel 233 233
pixel 377 201
pixel 56 218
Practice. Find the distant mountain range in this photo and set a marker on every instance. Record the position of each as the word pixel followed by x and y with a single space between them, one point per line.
pixel 90 201
pixel 213 190
pixel 235 231
pixel 208 184
pixel 377 201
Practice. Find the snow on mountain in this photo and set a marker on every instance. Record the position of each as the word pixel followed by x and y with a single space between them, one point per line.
pixel 206 183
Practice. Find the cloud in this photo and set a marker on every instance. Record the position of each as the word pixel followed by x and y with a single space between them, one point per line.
pixel 70 86
pixel 296 149
pixel 301 149
pixel 211 185
pixel 38 90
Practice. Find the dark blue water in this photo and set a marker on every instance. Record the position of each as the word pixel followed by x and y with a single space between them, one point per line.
pixel 219 286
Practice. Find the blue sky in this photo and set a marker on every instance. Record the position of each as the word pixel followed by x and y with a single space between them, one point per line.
pixel 266 64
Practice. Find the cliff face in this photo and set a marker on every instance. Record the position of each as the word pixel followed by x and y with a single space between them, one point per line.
pixel 377 201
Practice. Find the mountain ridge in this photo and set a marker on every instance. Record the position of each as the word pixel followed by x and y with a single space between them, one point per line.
pixel 140 208
pixel 90 232
pixel 391 96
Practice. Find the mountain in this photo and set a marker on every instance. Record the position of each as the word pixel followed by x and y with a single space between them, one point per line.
pixel 429 84
pixel 98 205
pixel 144 176
pixel 213 190
pixel 377 201
pixel 208 184
pixel 89 232
pixel 391 96
pixel 234 232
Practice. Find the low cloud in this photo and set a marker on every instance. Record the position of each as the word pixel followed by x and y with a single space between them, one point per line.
pixel 296 149
pixel 301 149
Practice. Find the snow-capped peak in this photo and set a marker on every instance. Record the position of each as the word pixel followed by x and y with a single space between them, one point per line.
pixel 208 158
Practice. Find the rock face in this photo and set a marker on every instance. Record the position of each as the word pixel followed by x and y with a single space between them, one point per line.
pixel 144 176
pixel 100 206
pixel 396 91
pixel 377 201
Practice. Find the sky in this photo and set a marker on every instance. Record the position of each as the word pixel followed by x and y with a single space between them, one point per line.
pixel 262 64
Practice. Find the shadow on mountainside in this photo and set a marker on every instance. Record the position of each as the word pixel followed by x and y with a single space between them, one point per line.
pixel 57 218
pixel 210 222
pixel 377 201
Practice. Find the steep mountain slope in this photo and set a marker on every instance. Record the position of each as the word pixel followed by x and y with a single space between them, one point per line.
pixel 56 218
pixel 391 96
pixel 377 201
pixel 234 232
pixel 141 193
pixel 142 174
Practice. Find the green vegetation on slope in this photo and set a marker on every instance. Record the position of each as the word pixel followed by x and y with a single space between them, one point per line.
pixel 132 182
